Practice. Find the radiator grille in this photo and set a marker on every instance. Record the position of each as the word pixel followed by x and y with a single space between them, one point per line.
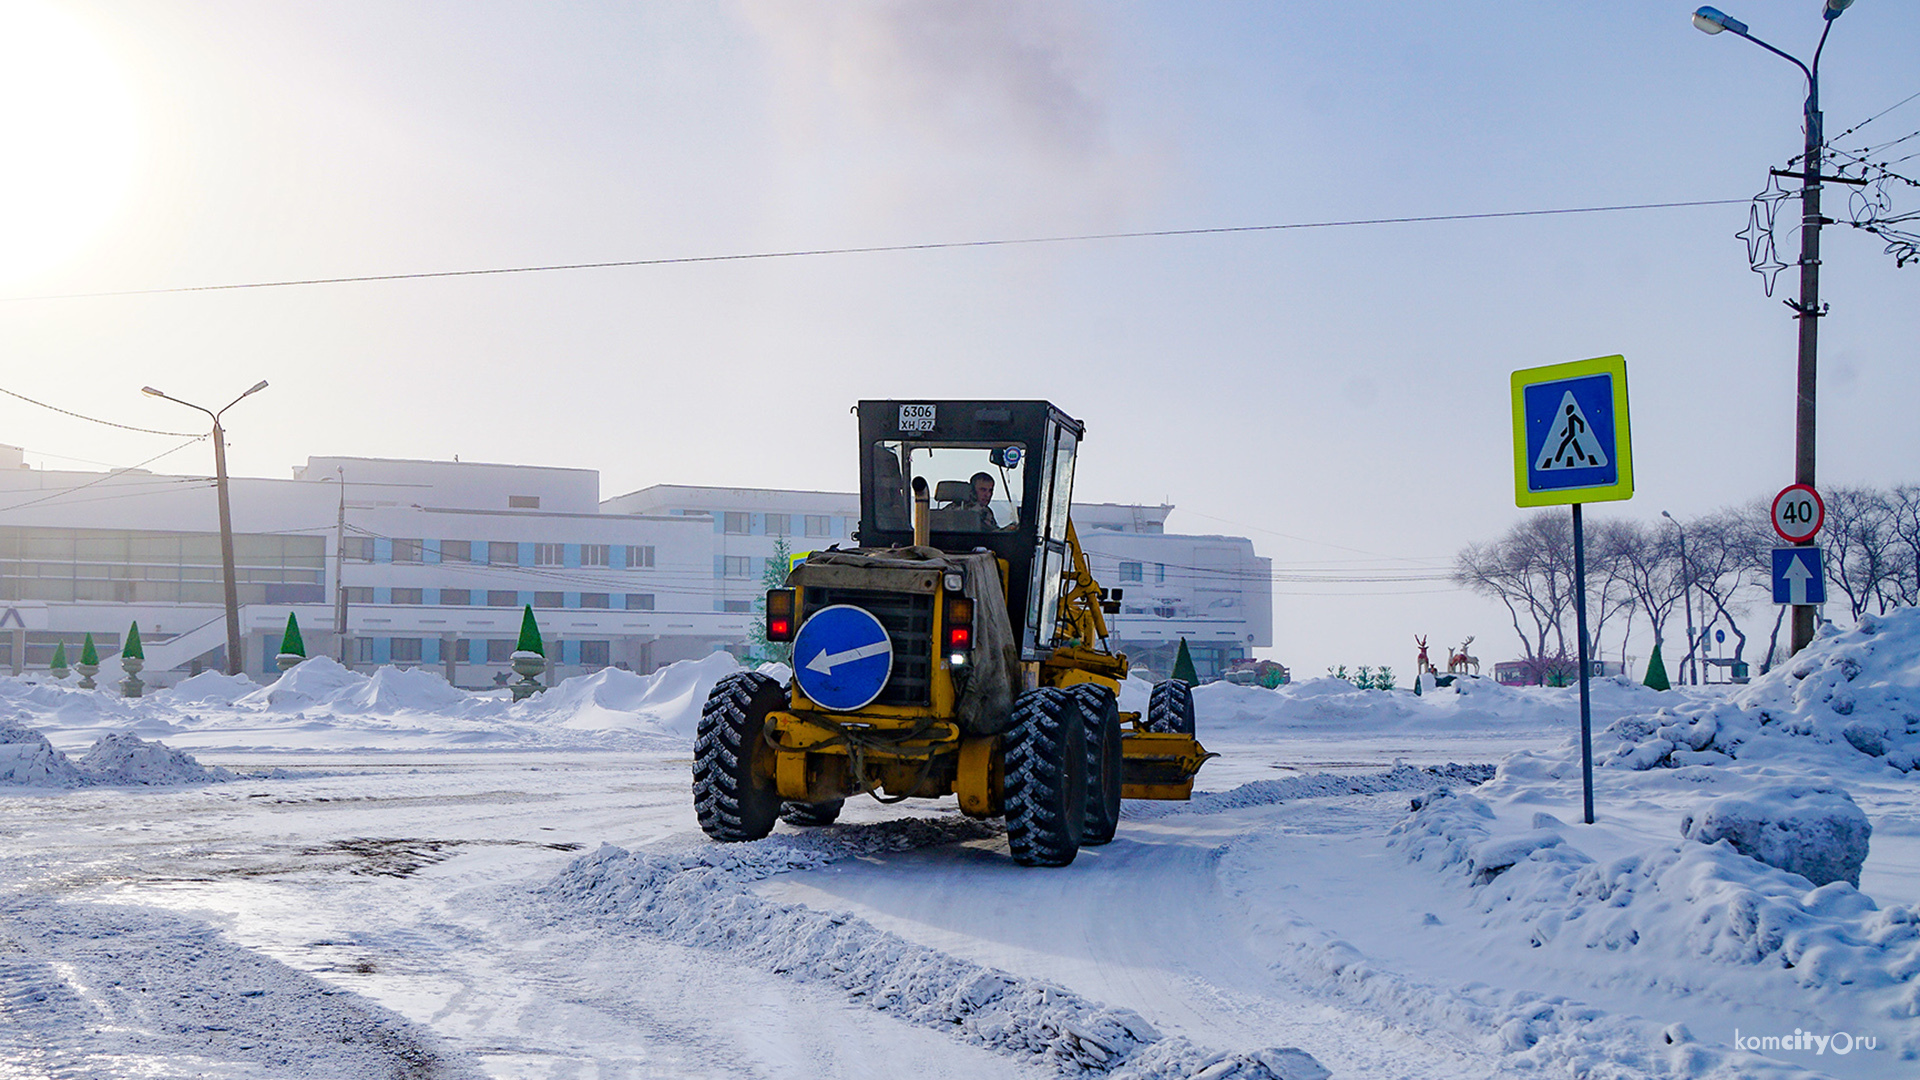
pixel 908 618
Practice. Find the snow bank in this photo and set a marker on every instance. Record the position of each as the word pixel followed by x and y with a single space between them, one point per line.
pixel 27 759
pixel 700 898
pixel 206 688
pixel 1312 786
pixel 669 700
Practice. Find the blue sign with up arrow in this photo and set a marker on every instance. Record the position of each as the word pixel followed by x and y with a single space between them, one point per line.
pixel 1798 576
pixel 842 657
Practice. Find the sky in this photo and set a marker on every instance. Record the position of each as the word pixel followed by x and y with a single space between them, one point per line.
pixel 1339 395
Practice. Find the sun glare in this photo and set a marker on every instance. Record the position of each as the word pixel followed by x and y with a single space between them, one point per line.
pixel 68 134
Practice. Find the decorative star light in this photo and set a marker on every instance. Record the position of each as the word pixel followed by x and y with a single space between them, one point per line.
pixel 1770 268
pixel 1755 234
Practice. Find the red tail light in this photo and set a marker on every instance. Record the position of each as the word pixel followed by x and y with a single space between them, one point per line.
pixel 959 623
pixel 779 614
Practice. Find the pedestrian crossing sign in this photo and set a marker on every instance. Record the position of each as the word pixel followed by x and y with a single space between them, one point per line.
pixel 1570 438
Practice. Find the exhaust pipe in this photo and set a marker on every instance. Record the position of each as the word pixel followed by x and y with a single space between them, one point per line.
pixel 922 511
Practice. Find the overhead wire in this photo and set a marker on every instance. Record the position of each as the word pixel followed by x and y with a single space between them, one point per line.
pixel 64 492
pixel 871 250
pixel 95 419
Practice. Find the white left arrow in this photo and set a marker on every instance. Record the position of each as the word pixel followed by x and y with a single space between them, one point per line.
pixel 824 662
pixel 1797 576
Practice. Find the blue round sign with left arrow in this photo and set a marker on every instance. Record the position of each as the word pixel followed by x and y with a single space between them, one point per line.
pixel 842 657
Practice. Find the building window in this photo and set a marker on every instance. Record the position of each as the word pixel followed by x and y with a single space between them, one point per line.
pixel 639 601
pixel 595 653
pixel 503 553
pixel 595 600
pixel 363 650
pixel 1160 572
pixel 359 548
pixel 499 650
pixel 738 606
pixel 456 597
pixel 779 524
pixel 549 554
pixel 639 558
pixel 359 594
pixel 404 650
pixel 407 596
pixel 549 600
pixel 523 502
pixel 737 523
pixel 738 566
pixel 456 551
pixel 463 651
pixel 502 598
pixel 1130 571
pixel 594 554
pixel 819 525
pixel 408 550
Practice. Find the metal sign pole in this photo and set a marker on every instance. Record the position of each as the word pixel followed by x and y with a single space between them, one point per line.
pixel 1580 626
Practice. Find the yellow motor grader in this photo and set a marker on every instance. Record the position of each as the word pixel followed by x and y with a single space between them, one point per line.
pixel 960 650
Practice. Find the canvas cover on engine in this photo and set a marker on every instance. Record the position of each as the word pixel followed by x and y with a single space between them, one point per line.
pixel 985 705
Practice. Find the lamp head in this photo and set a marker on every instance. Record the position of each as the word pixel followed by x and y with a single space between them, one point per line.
pixel 1834 8
pixel 1712 20
pixel 151 392
pixel 1668 516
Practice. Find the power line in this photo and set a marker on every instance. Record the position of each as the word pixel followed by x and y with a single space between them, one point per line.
pixel 64 492
pixel 873 250
pixel 1876 116
pixel 97 420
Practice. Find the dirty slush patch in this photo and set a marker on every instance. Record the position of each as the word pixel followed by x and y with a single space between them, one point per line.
pixel 699 898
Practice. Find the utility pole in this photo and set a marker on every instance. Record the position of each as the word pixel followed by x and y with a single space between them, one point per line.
pixel 340 571
pixel 1808 312
pixel 236 663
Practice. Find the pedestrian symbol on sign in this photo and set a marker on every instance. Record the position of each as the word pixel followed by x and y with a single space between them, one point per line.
pixel 1572 445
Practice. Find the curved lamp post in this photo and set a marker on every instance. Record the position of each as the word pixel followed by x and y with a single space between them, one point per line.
pixel 1807 308
pixel 234 664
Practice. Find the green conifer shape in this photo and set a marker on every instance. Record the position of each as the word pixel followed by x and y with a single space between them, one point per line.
pixel 89 654
pixel 530 635
pixel 59 655
pixel 1183 666
pixel 132 650
pixel 290 642
pixel 1657 671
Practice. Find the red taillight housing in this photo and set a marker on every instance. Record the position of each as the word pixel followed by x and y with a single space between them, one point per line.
pixel 959 624
pixel 780 615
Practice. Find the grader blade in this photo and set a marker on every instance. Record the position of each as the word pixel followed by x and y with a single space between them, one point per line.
pixel 1159 765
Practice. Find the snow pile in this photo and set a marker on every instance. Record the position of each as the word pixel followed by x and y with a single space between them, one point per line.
pixel 122 759
pixel 1401 777
pixel 701 898
pixel 27 759
pixel 207 688
pixel 1850 697
pixel 1818 833
pixel 668 700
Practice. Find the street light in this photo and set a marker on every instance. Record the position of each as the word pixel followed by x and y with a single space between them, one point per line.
pixel 1686 590
pixel 1807 309
pixel 234 665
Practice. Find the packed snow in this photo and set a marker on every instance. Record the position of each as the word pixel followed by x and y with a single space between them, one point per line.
pixel 229 876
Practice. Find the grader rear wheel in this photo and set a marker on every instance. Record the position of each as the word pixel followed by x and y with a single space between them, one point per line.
pixel 733 793
pixel 808 815
pixel 1102 714
pixel 1170 707
pixel 1046 778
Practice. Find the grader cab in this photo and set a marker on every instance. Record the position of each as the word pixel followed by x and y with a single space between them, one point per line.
pixel 959 650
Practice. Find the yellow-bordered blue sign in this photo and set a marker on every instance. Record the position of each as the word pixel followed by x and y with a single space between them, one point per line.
pixel 1571 442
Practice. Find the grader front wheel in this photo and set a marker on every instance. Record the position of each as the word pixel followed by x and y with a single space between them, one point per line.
pixel 1046 778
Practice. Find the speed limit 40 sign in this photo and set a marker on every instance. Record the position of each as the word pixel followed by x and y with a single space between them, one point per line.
pixel 1797 513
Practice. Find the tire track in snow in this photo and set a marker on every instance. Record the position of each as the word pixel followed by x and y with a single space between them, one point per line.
pixel 700 898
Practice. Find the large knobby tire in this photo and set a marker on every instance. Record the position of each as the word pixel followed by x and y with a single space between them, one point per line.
pixel 1102 715
pixel 1046 778
pixel 1170 707
pixel 811 814
pixel 733 799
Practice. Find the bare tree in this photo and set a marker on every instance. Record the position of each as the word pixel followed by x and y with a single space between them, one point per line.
pixel 1903 504
pixel 1530 570
pixel 1727 550
pixel 1609 592
pixel 1860 543
pixel 1646 562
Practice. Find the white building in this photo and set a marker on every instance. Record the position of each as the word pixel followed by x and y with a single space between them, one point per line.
pixel 436 561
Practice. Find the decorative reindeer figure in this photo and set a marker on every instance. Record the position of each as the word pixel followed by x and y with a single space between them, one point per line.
pixel 1459 661
pixel 1422 665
